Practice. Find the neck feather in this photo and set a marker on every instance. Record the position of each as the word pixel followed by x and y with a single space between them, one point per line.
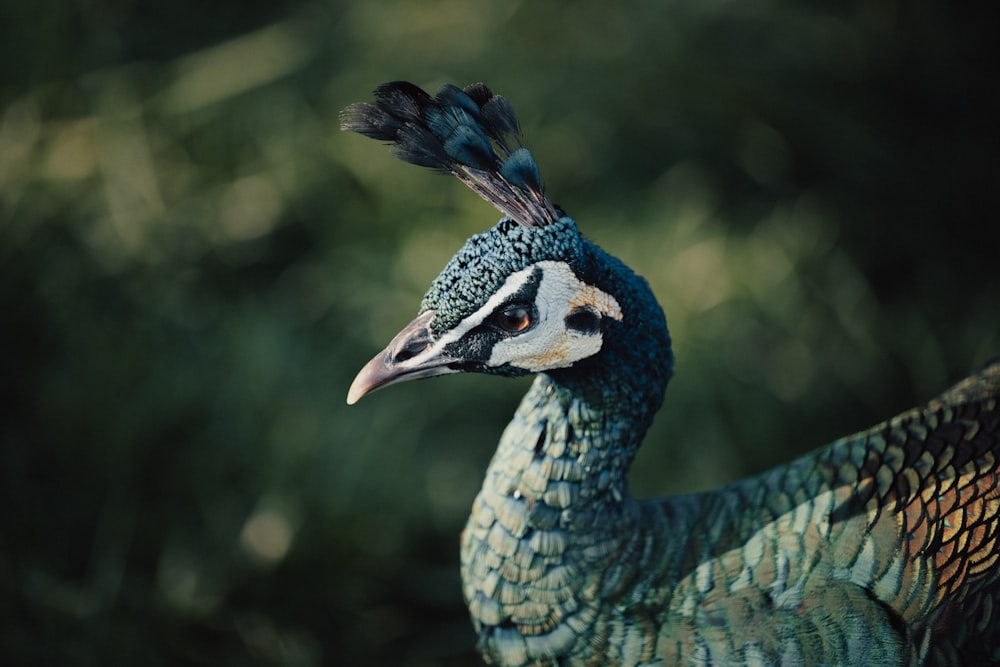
pixel 626 381
pixel 554 512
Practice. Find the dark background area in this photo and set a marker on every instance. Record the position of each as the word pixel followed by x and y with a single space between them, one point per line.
pixel 195 262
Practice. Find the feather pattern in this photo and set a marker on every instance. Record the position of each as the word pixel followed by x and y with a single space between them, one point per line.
pixel 470 133
pixel 880 548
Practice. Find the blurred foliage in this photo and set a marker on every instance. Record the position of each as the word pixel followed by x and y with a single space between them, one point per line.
pixel 195 261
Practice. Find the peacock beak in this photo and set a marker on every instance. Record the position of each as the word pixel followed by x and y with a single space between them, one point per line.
pixel 410 355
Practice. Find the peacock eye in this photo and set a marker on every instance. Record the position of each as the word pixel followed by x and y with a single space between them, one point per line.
pixel 513 319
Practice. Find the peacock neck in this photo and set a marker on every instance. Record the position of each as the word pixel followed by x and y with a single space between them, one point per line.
pixel 565 449
pixel 579 428
pixel 622 386
pixel 554 512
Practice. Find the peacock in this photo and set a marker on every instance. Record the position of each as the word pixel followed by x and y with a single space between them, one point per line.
pixel 880 548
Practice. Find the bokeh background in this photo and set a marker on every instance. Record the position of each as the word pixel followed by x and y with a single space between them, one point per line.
pixel 194 262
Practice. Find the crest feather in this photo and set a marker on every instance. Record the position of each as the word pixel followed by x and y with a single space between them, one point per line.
pixel 471 133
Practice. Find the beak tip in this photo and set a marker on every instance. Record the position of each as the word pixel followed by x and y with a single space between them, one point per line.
pixel 359 387
pixel 389 367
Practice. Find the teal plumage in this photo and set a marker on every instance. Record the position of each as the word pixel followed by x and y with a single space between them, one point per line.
pixel 880 548
pixel 479 268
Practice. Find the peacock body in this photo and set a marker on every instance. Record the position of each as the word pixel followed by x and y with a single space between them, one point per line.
pixel 880 548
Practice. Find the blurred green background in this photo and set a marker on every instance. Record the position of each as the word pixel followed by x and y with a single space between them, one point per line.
pixel 195 262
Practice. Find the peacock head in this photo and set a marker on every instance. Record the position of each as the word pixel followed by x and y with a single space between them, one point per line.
pixel 510 302
pixel 523 297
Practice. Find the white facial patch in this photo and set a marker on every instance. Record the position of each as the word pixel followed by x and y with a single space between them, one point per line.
pixel 551 343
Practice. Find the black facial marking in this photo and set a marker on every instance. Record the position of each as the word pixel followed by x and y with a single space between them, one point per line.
pixel 529 290
pixel 476 347
pixel 584 320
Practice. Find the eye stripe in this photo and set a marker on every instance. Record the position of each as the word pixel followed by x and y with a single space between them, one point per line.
pixel 524 282
pixel 528 291
pixel 567 327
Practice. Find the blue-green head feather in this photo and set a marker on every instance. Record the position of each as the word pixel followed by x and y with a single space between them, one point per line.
pixel 483 264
